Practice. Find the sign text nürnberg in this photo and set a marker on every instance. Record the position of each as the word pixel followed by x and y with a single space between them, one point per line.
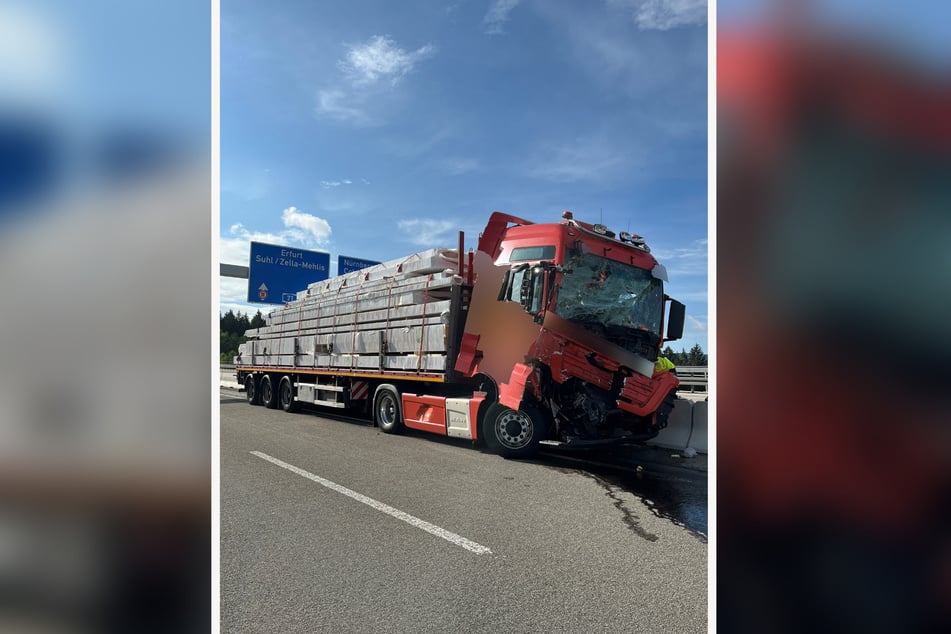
pixel 346 264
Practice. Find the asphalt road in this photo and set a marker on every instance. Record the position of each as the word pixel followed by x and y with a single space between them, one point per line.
pixel 525 546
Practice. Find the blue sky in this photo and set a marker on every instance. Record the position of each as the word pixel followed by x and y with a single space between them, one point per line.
pixel 377 129
pixel 917 27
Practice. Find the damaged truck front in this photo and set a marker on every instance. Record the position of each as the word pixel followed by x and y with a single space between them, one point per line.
pixel 571 336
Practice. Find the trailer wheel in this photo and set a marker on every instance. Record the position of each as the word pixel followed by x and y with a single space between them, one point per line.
pixel 286 392
pixel 268 393
pixel 513 434
pixel 386 410
pixel 251 390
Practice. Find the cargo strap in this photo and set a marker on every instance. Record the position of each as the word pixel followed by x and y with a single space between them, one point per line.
pixel 422 326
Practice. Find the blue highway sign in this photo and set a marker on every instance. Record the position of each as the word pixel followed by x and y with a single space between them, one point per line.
pixel 347 264
pixel 277 273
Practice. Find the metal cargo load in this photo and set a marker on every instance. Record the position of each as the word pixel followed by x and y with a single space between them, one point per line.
pixel 401 317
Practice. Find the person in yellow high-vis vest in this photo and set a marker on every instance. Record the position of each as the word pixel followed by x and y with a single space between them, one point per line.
pixel 663 364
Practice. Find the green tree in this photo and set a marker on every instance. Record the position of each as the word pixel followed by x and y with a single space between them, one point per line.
pixel 228 322
pixel 231 332
pixel 696 357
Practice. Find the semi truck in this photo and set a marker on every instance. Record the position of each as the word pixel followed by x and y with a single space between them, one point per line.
pixel 545 334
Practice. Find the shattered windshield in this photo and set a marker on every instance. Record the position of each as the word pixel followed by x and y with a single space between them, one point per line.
pixel 596 290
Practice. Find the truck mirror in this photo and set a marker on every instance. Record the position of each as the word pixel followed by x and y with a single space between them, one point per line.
pixel 506 291
pixel 537 306
pixel 675 320
pixel 513 282
pixel 533 292
pixel 527 292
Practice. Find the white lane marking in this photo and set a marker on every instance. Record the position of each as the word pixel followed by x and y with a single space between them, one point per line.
pixel 458 540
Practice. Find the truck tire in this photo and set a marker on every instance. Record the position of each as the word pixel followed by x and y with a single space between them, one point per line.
pixel 386 410
pixel 268 392
pixel 513 434
pixel 286 395
pixel 251 390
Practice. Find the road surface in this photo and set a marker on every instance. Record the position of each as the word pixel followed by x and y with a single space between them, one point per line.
pixel 328 525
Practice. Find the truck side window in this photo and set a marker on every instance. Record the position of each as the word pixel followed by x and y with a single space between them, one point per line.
pixel 518 277
pixel 512 284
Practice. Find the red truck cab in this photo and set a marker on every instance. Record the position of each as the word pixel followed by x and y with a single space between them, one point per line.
pixel 566 323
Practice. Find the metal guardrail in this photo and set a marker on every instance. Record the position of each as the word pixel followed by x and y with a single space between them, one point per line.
pixel 692 376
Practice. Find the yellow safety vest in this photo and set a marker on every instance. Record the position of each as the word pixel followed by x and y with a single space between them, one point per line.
pixel 663 364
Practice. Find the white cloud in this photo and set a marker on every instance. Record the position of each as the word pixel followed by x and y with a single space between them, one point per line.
pixel 498 15
pixel 663 15
pixel 427 231
pixel 696 324
pixel 237 248
pixel 682 261
pixel 690 296
pixel 665 76
pixel 343 106
pixel 318 228
pixel 696 250
pixel 420 142
pixel 300 229
pixel 329 184
pixel 233 293
pixel 381 58
pixel 354 96
pixel 588 158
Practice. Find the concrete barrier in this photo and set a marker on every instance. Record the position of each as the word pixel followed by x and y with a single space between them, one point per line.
pixel 227 377
pixel 698 438
pixel 679 424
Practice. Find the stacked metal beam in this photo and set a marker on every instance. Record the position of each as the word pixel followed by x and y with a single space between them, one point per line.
pixel 390 317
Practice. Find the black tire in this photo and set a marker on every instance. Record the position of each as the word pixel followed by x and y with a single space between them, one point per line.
pixel 251 390
pixel 268 393
pixel 386 410
pixel 286 395
pixel 513 434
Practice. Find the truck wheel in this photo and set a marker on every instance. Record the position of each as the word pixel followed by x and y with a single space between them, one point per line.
pixel 386 410
pixel 513 434
pixel 251 390
pixel 268 393
pixel 286 392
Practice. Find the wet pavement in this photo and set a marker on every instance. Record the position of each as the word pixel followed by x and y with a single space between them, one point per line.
pixel 671 486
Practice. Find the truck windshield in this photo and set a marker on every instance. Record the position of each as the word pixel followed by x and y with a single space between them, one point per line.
pixel 600 292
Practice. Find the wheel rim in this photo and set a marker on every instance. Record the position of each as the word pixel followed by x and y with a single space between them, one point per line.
pixel 285 394
pixel 266 391
pixel 514 429
pixel 386 410
pixel 250 388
